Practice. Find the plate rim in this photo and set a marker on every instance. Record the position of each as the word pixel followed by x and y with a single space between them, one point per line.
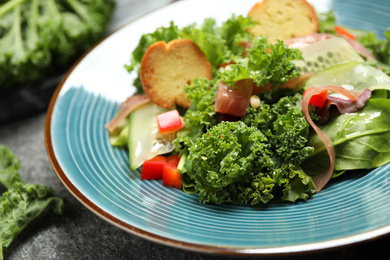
pixel 200 248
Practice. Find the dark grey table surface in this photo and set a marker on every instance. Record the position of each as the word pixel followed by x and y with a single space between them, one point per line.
pixel 80 234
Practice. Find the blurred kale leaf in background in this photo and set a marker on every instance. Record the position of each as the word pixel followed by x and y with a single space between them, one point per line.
pixel 40 37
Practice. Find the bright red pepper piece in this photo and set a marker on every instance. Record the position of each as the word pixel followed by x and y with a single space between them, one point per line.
pixel 318 99
pixel 173 160
pixel 169 122
pixel 171 177
pixel 342 31
pixel 153 169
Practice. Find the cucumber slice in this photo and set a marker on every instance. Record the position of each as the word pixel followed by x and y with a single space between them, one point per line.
pixel 327 53
pixel 145 141
pixel 358 76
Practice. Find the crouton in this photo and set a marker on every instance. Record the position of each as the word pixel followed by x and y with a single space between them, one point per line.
pixel 167 68
pixel 283 19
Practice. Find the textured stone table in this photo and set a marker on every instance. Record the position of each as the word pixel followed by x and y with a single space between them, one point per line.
pixel 78 233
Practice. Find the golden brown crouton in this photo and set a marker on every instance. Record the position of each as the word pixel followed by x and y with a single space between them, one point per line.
pixel 167 68
pixel 283 19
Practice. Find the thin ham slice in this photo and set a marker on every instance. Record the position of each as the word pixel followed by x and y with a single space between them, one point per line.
pixel 127 107
pixel 320 180
pixel 305 40
pixel 234 101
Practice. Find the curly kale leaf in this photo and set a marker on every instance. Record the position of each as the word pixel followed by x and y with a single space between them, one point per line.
pixel 200 116
pixel 225 160
pixel 286 128
pixel 39 37
pixel 236 163
pixel 267 63
pixel 22 204
pixel 9 168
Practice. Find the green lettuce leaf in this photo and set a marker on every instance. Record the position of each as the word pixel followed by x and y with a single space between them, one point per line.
pixel 166 34
pixel 361 139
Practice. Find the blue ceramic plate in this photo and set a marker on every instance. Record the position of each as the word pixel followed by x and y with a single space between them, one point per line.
pixel 353 209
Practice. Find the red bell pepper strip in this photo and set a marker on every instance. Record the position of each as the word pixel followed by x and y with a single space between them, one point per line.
pixel 169 122
pixel 173 159
pixel 342 31
pixel 319 99
pixel 171 177
pixel 153 169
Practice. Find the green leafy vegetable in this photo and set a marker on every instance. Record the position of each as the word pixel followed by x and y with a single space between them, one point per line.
pixel 327 22
pixel 200 116
pixel 21 203
pixel 165 34
pixel 226 159
pixel 38 37
pixel 9 168
pixel 361 139
pixel 219 43
pixel 380 48
pixel 267 63
pixel 254 160
pixel 285 127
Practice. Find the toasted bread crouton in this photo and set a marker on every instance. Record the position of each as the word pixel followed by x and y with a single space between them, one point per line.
pixel 283 19
pixel 167 68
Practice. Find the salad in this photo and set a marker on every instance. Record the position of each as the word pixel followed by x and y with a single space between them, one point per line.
pixel 276 120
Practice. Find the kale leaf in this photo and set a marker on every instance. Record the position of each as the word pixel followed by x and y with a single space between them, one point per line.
pixel 200 116
pixel 361 139
pixel 21 203
pixel 40 37
pixel 254 160
pixel 267 63
pixel 225 160
pixel 9 168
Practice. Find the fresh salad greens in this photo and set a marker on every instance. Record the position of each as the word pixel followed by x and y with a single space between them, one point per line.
pixel 220 44
pixel 22 202
pixel 267 63
pixel 273 152
pixel 39 37
pixel 361 139
pixel 253 160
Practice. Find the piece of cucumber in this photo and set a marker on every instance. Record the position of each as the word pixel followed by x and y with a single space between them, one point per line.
pixel 358 76
pixel 145 141
pixel 327 53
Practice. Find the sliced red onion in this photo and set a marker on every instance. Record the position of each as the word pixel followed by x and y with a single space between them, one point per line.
pixel 343 105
